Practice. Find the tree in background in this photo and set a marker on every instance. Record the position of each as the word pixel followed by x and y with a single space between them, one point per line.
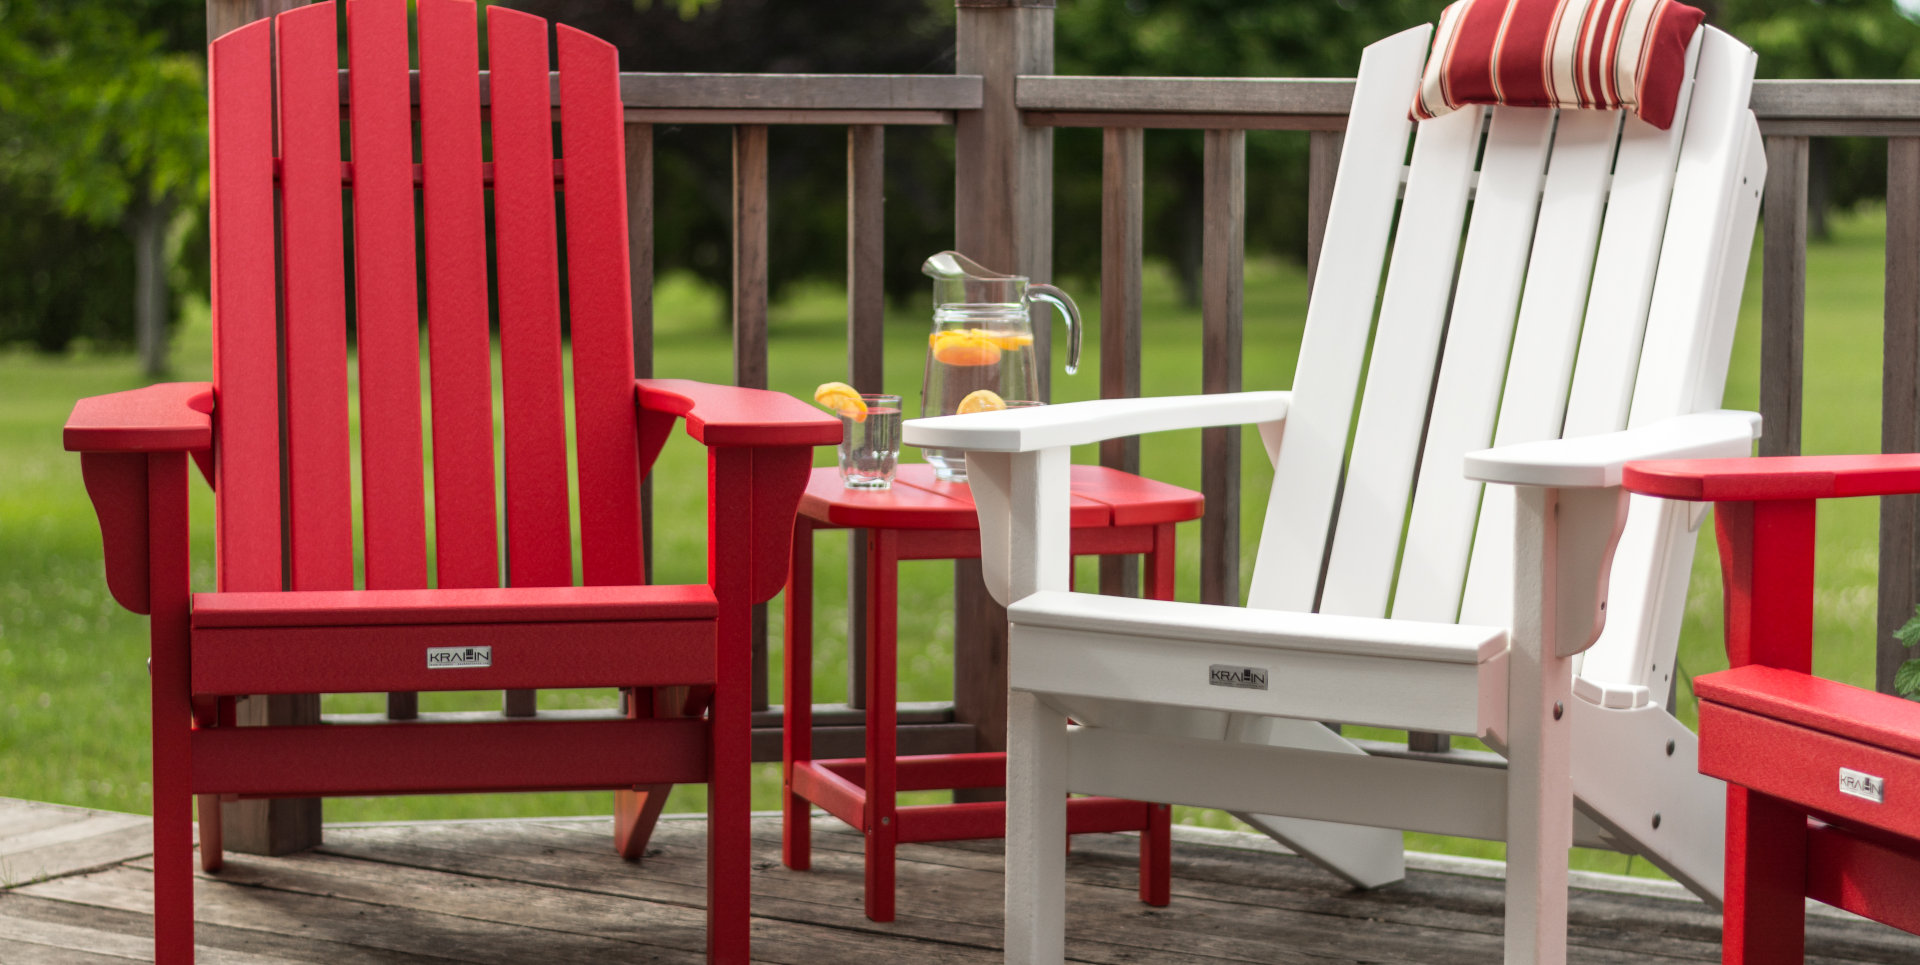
pixel 105 123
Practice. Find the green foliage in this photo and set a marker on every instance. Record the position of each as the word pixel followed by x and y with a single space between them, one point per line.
pixel 102 146
pixel 1906 680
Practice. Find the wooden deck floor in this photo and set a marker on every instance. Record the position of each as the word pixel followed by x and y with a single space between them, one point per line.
pixel 77 890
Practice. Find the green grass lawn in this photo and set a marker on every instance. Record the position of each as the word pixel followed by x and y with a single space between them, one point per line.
pixel 72 662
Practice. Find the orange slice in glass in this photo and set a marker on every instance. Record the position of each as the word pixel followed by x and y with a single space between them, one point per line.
pixel 841 398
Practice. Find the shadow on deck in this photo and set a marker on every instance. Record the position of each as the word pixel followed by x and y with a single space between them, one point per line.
pixel 77 889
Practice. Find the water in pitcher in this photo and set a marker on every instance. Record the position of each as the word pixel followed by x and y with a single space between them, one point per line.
pixel 982 340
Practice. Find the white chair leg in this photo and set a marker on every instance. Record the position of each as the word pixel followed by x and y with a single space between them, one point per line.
pixel 1036 831
pixel 1539 745
pixel 1363 857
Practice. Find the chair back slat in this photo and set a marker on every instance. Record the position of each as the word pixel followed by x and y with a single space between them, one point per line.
pixel 1393 410
pixel 1682 365
pixel 1499 247
pixel 1339 323
pixel 466 545
pixel 1533 403
pixel 313 278
pixel 591 127
pixel 539 550
pixel 392 473
pixel 245 369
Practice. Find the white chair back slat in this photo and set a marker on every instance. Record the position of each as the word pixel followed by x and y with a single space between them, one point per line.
pixel 1406 343
pixel 1533 404
pixel 1683 363
pixel 1339 322
pixel 1479 338
pixel 1623 275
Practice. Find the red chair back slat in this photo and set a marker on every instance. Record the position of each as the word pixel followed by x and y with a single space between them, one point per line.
pixel 539 551
pixel 466 549
pixel 309 349
pixel 319 488
pixel 603 389
pixel 246 385
pixel 391 467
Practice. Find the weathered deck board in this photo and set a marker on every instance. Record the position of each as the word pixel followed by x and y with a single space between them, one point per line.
pixel 553 891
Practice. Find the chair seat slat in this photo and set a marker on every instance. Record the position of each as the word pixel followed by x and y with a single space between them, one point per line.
pixel 391 467
pixel 246 387
pixel 539 550
pixel 466 547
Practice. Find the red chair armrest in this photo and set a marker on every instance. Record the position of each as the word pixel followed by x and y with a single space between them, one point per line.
pixel 726 415
pixel 169 417
pixel 1775 477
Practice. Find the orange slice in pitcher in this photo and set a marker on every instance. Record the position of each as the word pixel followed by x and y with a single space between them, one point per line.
pixel 964 346
pixel 981 400
pixel 841 398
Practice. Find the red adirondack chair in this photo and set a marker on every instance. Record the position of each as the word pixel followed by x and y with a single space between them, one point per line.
pixel 1823 779
pixel 271 433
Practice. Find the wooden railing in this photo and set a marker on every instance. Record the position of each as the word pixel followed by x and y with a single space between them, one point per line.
pixel 1004 103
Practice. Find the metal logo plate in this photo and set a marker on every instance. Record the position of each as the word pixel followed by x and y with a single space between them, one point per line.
pixel 1863 786
pixel 440 658
pixel 1244 678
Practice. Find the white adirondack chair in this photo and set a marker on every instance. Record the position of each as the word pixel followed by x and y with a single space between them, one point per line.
pixel 1588 321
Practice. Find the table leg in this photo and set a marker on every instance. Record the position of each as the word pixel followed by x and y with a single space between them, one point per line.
pixel 1156 841
pixel 882 830
pixel 796 845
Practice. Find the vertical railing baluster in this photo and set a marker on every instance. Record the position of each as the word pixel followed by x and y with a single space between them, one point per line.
pixel 640 280
pixel 866 356
pixel 1223 279
pixel 1900 404
pixel 1783 295
pixel 1323 162
pixel 1121 203
pixel 750 312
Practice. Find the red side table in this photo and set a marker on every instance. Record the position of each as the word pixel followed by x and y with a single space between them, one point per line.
pixel 922 519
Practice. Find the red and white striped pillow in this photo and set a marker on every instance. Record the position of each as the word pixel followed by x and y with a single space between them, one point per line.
pixel 1601 54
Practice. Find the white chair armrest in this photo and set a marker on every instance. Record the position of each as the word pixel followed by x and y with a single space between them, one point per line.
pixel 1080 423
pixel 1588 462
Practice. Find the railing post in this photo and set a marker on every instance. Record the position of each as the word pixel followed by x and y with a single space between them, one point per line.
pixel 639 138
pixel 282 825
pixel 1900 404
pixel 1003 218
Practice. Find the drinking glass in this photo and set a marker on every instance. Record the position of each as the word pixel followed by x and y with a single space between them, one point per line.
pixel 870 444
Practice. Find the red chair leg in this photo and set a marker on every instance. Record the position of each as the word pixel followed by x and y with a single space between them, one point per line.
pixel 1156 857
pixel 796 825
pixel 730 798
pixel 172 712
pixel 1765 917
pixel 635 812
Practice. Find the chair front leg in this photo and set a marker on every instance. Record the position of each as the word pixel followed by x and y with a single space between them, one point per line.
pixel 168 570
pixel 1036 831
pixel 1539 743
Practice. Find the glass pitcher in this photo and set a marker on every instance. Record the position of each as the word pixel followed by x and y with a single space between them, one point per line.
pixel 983 340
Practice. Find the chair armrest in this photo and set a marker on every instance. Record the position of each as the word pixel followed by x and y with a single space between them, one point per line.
pixel 1080 423
pixel 1776 477
pixel 168 417
pixel 1598 461
pixel 727 415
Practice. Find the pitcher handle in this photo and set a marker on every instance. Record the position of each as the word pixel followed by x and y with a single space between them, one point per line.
pixel 1063 304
